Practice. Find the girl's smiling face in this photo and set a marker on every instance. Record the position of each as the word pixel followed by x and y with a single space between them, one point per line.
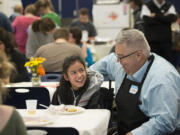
pixel 76 75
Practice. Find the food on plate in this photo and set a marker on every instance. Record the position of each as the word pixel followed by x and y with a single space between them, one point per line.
pixel 72 110
pixel 32 122
pixel 43 120
pixel 64 109
pixel 31 112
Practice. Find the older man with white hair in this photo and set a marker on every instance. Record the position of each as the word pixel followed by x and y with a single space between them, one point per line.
pixel 147 87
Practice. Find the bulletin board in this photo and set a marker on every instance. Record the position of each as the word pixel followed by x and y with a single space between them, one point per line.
pixel 108 16
pixel 110 19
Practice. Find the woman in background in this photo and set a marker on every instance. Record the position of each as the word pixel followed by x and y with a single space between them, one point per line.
pixel 8 46
pixel 21 24
pixel 78 86
pixel 10 121
pixel 75 38
pixel 40 33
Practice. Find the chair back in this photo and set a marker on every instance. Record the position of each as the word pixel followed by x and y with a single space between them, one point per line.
pixel 57 130
pixel 51 77
pixel 18 95
pixel 106 98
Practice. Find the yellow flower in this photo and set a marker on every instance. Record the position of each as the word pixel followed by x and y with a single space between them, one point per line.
pixel 34 65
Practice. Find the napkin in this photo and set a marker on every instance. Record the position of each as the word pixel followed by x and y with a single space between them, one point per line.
pixel 56 108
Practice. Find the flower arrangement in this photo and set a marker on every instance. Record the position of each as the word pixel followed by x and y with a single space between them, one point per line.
pixel 35 65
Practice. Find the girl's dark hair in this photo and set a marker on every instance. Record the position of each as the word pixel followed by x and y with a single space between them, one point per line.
pixel 44 25
pixel 8 40
pixel 77 34
pixel 71 60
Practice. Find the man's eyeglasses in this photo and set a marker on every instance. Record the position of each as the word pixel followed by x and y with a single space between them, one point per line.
pixel 122 57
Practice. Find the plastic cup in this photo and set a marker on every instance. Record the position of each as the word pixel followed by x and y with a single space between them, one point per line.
pixel 31 105
pixel 84 36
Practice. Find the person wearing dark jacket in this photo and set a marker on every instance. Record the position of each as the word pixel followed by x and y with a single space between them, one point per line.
pixel 84 23
pixel 136 6
pixel 8 46
pixel 78 86
pixel 158 15
pixel 5 22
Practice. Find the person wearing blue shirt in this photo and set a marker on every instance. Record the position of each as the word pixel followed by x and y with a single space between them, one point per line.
pixel 75 38
pixel 147 87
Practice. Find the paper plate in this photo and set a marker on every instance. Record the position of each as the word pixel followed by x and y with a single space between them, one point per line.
pixel 37 120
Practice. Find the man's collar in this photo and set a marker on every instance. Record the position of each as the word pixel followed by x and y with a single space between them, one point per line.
pixel 140 73
pixel 157 3
pixel 60 40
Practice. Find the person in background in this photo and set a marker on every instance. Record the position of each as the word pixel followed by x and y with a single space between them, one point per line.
pixel 10 121
pixel 78 86
pixel 136 6
pixel 8 46
pixel 55 52
pixel 84 24
pixel 146 87
pixel 18 11
pixel 158 15
pixel 46 9
pixel 5 22
pixel 21 24
pixel 39 33
pixel 75 38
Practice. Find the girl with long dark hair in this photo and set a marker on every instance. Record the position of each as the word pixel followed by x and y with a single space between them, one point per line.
pixel 78 86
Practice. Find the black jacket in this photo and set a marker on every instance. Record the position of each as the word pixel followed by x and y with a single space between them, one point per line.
pixel 158 29
pixel 87 96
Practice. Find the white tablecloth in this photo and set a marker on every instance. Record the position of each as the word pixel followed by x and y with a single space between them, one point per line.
pixel 89 122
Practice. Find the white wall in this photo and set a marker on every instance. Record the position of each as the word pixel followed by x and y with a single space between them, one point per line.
pixel 6 6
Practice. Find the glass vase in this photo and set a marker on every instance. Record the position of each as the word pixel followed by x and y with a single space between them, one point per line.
pixel 35 79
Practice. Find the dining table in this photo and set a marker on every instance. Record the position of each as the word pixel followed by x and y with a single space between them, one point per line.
pixel 86 122
pixel 51 86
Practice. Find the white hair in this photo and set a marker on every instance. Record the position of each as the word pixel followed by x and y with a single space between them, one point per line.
pixel 133 39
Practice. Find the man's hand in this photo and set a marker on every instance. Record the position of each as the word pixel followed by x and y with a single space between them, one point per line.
pixel 129 133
